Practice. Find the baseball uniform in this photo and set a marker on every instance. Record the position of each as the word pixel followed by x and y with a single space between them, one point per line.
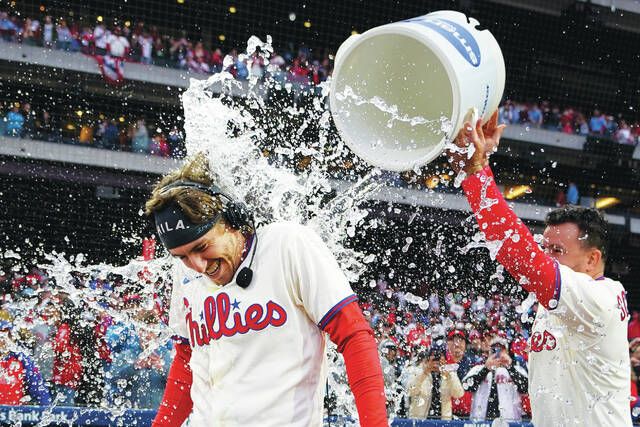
pixel 258 354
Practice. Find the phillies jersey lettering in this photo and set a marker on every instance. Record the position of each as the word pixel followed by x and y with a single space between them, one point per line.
pixel 217 311
pixel 261 344
pixel 543 341
pixel 579 361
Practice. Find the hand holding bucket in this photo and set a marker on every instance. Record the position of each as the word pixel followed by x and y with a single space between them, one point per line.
pixel 401 91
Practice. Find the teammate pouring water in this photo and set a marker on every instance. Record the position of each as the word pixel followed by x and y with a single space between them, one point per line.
pixel 579 360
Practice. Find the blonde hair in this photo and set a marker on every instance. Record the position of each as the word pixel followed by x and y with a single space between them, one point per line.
pixel 198 205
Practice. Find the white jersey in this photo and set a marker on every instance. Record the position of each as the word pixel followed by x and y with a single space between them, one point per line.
pixel 259 355
pixel 579 367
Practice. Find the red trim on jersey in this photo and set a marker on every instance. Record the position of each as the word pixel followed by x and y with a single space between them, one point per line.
pixel 176 402
pixel 351 332
pixel 336 309
pixel 521 258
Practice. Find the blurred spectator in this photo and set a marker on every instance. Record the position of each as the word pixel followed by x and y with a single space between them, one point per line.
pixel 456 351
pixel 8 28
pixel 623 134
pixel 140 138
pixel 216 60
pixel 566 120
pixel 20 379
pixel 124 345
pixel 432 386
pixel 179 51
pixel 29 126
pixel 63 36
pixel 146 48
pixel 573 195
pixel 198 59
pixel 582 128
pixel 634 326
pixel 14 121
pixel 390 363
pixel 550 116
pixel 598 123
pixel 535 115
pixel 67 362
pixel 31 32
pixel 44 127
pixel 86 134
pixel 117 45
pixel 475 351
pixel 110 134
pixel 101 38
pixel 159 145
pixel 152 363
pixel 497 384
pixel 47 32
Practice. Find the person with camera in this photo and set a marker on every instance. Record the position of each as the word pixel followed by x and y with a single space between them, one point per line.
pixel 433 386
pixel 497 385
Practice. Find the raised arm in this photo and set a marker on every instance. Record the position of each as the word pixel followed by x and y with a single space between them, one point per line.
pixel 519 253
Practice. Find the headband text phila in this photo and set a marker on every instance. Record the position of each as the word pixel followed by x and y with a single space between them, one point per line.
pixel 166 227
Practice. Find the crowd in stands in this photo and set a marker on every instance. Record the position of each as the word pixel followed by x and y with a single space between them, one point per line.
pixel 445 356
pixel 544 115
pixel 21 121
pixel 91 343
pixel 96 342
pixel 138 42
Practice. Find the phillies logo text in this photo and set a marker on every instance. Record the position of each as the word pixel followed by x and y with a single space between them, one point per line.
pixel 543 341
pixel 217 316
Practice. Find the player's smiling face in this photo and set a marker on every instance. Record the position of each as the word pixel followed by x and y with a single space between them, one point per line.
pixel 564 243
pixel 217 254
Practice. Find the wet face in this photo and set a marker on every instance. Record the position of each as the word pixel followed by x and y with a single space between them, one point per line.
pixel 217 254
pixel 565 243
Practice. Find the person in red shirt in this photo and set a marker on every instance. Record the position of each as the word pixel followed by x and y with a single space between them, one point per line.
pixel 20 380
pixel 67 361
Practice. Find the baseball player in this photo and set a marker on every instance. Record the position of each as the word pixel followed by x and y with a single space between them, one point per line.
pixel 579 360
pixel 250 309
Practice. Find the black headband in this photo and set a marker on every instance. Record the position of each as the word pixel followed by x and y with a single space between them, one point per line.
pixel 176 229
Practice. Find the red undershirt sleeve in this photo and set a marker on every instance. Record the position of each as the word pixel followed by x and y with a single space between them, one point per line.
pixel 519 254
pixel 351 332
pixel 176 402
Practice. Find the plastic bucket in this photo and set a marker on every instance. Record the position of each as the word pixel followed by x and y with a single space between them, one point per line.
pixel 401 91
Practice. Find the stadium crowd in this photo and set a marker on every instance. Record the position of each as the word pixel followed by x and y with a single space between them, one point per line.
pixel 98 342
pixel 302 67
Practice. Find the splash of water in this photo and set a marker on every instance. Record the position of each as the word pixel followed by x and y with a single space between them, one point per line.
pixel 442 125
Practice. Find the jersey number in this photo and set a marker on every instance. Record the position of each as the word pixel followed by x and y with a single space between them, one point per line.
pixel 622 304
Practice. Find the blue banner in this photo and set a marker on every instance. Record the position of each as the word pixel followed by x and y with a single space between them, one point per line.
pixel 66 416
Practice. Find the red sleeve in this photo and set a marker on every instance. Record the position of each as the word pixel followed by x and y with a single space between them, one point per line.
pixel 176 402
pixel 351 332
pixel 519 254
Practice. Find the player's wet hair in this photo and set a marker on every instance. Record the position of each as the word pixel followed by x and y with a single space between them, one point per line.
pixel 197 205
pixel 591 223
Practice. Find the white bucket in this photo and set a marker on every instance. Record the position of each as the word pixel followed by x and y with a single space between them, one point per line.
pixel 401 91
